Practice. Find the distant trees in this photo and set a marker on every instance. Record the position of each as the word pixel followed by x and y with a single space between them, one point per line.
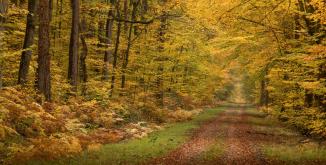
pixel 168 54
pixel 285 56
pixel 118 48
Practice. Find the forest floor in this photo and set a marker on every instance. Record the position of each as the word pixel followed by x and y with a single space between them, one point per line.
pixel 230 134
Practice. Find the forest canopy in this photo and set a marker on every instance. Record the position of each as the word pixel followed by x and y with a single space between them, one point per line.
pixel 69 68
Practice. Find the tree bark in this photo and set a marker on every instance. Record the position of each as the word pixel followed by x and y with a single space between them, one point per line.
pixel 43 80
pixel 322 75
pixel 60 20
pixel 83 55
pixel 116 49
pixel 73 48
pixel 101 33
pixel 125 13
pixel 3 11
pixel 125 63
pixel 160 70
pixel 296 26
pixel 312 27
pixel 28 42
pixel 143 11
pixel 263 93
pixel 108 42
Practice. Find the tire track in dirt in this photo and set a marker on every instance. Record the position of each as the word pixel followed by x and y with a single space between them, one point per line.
pixel 201 140
pixel 240 147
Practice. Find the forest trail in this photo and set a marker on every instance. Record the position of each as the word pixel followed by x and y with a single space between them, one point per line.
pixel 240 144
pixel 233 128
pixel 239 136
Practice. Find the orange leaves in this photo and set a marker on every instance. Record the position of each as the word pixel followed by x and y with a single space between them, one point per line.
pixel 101 136
pixel 54 147
pixel 318 50
pixel 320 12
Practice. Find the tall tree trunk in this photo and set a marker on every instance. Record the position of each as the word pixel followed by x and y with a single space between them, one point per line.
pixel 100 34
pixel 312 26
pixel 60 19
pixel 125 13
pixel 116 49
pixel 0 70
pixel 51 9
pixel 55 31
pixel 143 11
pixel 263 92
pixel 321 75
pixel 73 48
pixel 83 55
pixel 108 42
pixel 309 98
pixel 1 74
pixel 43 79
pixel 28 42
pixel 297 26
pixel 3 11
pixel 160 70
pixel 125 63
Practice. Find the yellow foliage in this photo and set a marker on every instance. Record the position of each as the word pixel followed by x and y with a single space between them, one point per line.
pixel 6 132
pixel 182 115
pixel 54 147
pixel 320 13
pixel 94 147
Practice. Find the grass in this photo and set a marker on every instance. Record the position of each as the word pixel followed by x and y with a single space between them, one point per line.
pixel 212 153
pixel 140 150
pixel 298 153
pixel 287 148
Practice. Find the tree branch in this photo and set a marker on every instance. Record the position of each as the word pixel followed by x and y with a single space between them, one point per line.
pixel 135 21
pixel 233 8
pixel 258 23
pixel 146 22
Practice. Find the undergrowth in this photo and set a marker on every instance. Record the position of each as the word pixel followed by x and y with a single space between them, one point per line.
pixel 140 150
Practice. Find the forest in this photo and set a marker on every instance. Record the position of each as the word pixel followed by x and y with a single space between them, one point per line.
pixel 76 75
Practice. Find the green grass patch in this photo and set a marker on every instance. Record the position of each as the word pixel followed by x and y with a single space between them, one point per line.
pixel 287 147
pixel 140 150
pixel 212 153
pixel 298 153
pixel 268 124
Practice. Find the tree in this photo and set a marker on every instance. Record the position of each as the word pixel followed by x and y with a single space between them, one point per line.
pixel 28 42
pixel 160 60
pixel 3 10
pixel 126 58
pixel 116 48
pixel 73 47
pixel 43 78
pixel 83 54
pixel 108 41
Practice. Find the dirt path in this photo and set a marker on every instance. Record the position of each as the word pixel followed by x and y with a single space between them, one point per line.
pixel 240 145
pixel 233 129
